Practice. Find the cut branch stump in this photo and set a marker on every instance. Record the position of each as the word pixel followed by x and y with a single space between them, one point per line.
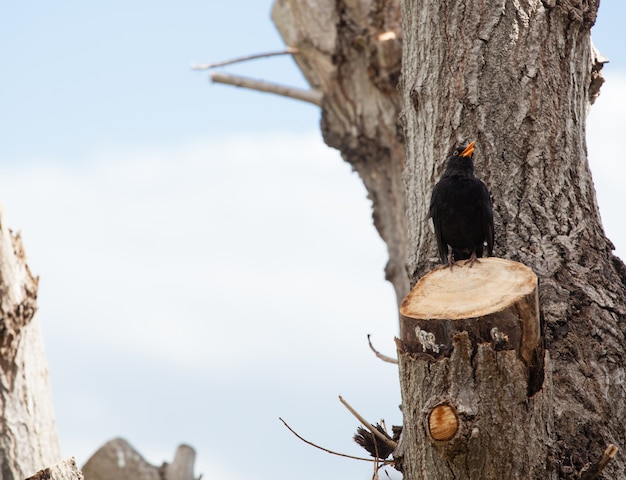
pixel 475 397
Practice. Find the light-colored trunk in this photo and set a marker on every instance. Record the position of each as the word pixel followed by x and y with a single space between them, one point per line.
pixel 28 437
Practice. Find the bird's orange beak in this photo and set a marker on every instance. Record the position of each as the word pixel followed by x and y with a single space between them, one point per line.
pixel 469 150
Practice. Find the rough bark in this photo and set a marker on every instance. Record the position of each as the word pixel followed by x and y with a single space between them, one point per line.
pixel 28 437
pixel 518 77
pixel 488 390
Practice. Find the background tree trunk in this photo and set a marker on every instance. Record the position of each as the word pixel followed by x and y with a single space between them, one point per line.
pixel 118 460
pixel 517 77
pixel 351 51
pixel 28 437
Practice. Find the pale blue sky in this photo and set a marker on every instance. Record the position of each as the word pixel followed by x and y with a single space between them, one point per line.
pixel 177 226
pixel 79 76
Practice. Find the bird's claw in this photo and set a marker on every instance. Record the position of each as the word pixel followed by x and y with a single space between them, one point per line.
pixel 473 258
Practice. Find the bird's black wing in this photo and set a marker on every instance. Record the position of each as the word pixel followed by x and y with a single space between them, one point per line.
pixel 435 214
pixel 487 219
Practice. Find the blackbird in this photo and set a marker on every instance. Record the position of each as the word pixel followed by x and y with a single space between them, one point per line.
pixel 460 207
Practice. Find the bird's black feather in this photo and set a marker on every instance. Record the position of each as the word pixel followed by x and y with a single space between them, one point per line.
pixel 461 210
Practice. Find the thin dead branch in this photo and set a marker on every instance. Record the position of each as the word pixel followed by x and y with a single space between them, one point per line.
pixel 208 66
pixel 384 358
pixel 325 449
pixel 311 96
pixel 387 441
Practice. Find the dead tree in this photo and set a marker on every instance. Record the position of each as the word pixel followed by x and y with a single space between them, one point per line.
pixel 29 445
pixel 404 81
pixel 28 437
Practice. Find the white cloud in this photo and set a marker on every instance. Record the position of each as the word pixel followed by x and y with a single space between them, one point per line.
pixel 172 253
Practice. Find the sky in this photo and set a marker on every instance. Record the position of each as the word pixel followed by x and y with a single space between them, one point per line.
pixel 206 263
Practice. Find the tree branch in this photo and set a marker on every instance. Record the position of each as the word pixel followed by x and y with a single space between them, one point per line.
pixel 208 66
pixel 384 358
pixel 369 426
pixel 311 96
pixel 325 449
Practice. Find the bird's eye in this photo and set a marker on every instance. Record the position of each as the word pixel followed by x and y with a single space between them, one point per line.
pixel 456 153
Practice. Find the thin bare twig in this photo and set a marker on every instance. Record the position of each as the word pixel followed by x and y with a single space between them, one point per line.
pixel 311 96
pixel 376 467
pixel 208 66
pixel 368 425
pixel 322 448
pixel 384 425
pixel 384 358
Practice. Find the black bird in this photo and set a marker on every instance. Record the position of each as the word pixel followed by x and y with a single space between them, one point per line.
pixel 460 207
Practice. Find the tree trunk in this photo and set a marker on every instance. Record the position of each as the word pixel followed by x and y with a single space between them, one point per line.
pixel 28 437
pixel 517 77
pixel 471 363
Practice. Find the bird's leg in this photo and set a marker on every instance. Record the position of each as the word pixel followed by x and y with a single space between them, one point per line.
pixel 450 260
pixel 473 258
